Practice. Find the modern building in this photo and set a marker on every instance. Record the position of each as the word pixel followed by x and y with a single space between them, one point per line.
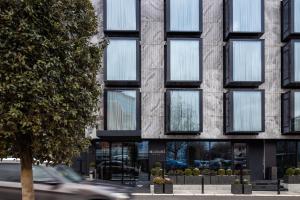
pixel 198 83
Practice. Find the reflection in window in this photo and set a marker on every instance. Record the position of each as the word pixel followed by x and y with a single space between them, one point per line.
pixel 297 16
pixel 203 155
pixel 184 111
pixel 184 60
pixel 285 156
pixel 247 111
pixel 121 15
pixel 296 119
pixel 247 60
pixel 121 110
pixel 121 60
pixel 247 15
pixel 240 155
pixel 297 60
pixel 184 15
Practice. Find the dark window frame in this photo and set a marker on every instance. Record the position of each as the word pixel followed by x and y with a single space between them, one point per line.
pixel 228 22
pixel 288 29
pixel 122 32
pixel 228 65
pixel 182 33
pixel 228 112
pixel 168 110
pixel 287 113
pixel 126 83
pixel 288 65
pixel 122 133
pixel 179 83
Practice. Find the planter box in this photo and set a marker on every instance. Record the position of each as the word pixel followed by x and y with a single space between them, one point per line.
pixel 214 180
pixel 169 188
pixel 237 189
pixel 292 179
pixel 172 178
pixel 193 180
pixel 158 189
pixel 206 179
pixel 226 180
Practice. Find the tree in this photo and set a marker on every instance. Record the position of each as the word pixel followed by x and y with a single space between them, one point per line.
pixel 48 85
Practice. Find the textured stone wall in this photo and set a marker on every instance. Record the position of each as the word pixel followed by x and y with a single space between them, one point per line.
pixel 152 70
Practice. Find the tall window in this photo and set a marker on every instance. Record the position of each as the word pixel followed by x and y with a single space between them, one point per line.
pixel 121 110
pixel 183 60
pixel 291 112
pixel 247 15
pixel 184 16
pixel 244 62
pixel 244 111
pixel 121 15
pixel 122 60
pixel 296 117
pixel 247 111
pixel 184 111
pixel 297 16
pixel 291 64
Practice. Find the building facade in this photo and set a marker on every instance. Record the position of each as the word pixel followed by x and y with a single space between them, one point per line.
pixel 198 83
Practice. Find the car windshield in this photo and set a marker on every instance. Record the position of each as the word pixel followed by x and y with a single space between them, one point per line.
pixel 68 173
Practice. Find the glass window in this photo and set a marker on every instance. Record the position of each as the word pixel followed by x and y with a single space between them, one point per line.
pixel 184 15
pixel 286 156
pixel 247 15
pixel 121 110
pixel 121 15
pixel 297 60
pixel 247 111
pixel 121 60
pixel 296 117
pixel 297 16
pixel 184 111
pixel 247 60
pixel 184 60
pixel 240 155
pixel 220 155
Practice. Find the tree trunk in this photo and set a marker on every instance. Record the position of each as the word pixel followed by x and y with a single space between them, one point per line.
pixel 26 174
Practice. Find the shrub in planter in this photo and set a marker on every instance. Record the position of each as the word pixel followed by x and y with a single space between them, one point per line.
pixel 168 186
pixel 158 184
pixel 297 171
pixel 237 187
pixel 206 176
pixel 221 172
pixel 229 172
pixel 188 172
pixel 179 172
pixel 196 172
pixel 290 172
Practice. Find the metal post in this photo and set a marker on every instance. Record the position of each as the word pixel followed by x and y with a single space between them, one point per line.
pixel 163 174
pixel 278 186
pixel 242 180
pixel 202 185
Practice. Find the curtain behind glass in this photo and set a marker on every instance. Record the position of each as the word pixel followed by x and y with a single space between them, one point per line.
pixel 121 110
pixel 247 111
pixel 297 112
pixel 121 60
pixel 184 15
pixel 297 61
pixel 121 14
pixel 184 60
pixel 297 16
pixel 247 15
pixel 247 60
pixel 184 110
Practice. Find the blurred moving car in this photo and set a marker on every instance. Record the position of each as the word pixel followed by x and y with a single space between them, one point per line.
pixel 176 164
pixel 56 183
pixel 106 168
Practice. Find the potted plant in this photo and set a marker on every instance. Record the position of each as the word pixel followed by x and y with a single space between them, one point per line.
pixel 237 187
pixel 179 176
pixel 292 176
pixel 158 185
pixel 213 177
pixel 172 175
pixel 155 171
pixel 230 176
pixel 168 186
pixel 221 176
pixel 206 176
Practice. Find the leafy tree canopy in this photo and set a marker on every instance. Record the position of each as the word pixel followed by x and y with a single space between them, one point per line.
pixel 48 68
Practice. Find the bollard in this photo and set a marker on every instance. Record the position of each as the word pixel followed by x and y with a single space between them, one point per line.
pixel 278 186
pixel 202 185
